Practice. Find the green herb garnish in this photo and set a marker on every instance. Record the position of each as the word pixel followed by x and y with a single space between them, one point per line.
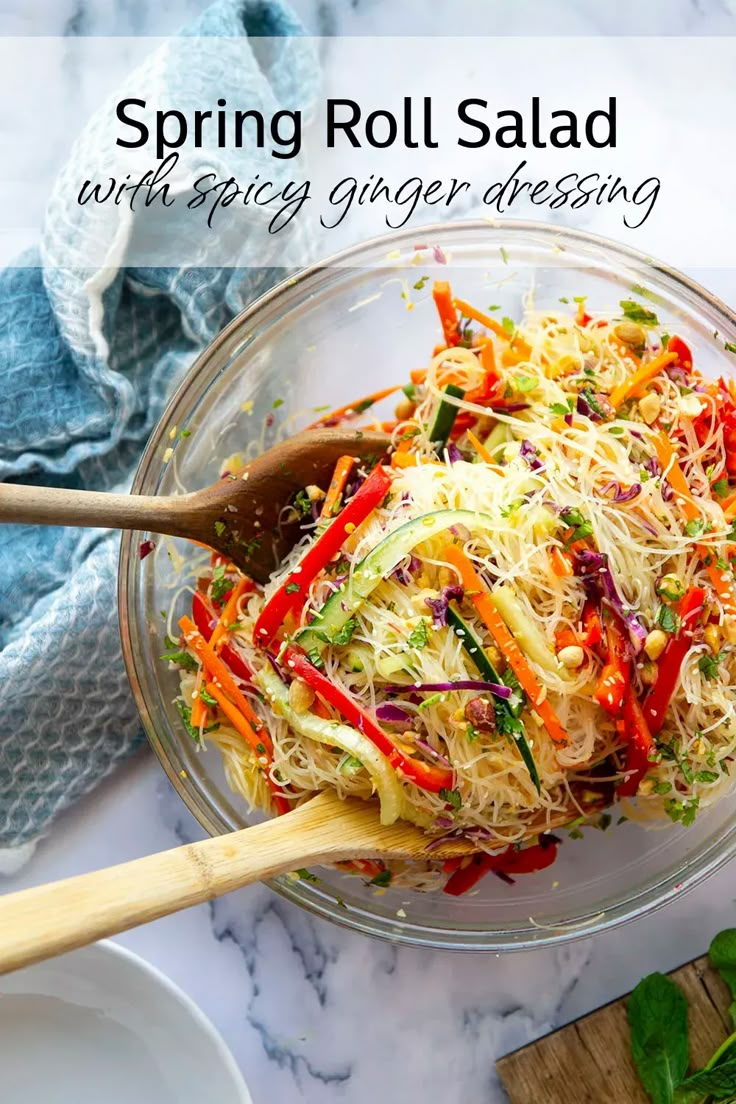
pixel 635 312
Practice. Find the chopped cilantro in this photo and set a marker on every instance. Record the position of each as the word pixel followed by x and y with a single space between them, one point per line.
pixel 471 733
pixel 315 657
pixel 452 797
pixel 345 634
pixel 579 298
pixel 708 665
pixel 185 433
pixel 303 504
pixel 730 346
pixel 186 715
pixel 509 325
pixel 707 776
pixel 662 788
pixel 421 282
pixel 349 765
pixel 277 403
pixel 695 527
pixel 668 619
pixel 526 383
pixel 495 306
pixel 363 405
pixel 564 299
pixel 419 636
pixel 721 487
pixel 292 588
pixel 306 875
pixel 561 409
pixel 504 255
pixel 221 584
pixel 207 697
pixel 383 879
pixel 181 659
pixel 219 528
pixel 432 700
pixel 683 812
pixel 665 339
pixel 636 313
pixel 581 526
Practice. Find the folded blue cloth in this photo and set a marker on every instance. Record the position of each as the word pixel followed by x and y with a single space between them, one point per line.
pixel 86 366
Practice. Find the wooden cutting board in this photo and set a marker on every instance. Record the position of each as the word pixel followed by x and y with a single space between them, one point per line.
pixel 589 1061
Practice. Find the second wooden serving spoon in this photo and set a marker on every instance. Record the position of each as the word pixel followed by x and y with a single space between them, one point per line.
pixel 242 517
pixel 39 923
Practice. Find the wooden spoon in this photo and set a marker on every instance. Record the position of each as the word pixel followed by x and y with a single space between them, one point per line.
pixel 39 923
pixel 240 517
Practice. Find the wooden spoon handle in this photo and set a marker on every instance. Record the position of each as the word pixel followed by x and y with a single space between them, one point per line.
pixel 47 920
pixel 96 509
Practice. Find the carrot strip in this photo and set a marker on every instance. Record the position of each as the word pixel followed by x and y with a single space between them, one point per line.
pixel 199 709
pixel 343 467
pixel 443 300
pixel 252 738
pixel 561 564
pixel 418 375
pixel 483 319
pixel 228 615
pixel 729 508
pixel 216 669
pixel 351 409
pixel 675 475
pixel 495 624
pixel 722 580
pixel 643 374
pixel 488 358
pixel 480 448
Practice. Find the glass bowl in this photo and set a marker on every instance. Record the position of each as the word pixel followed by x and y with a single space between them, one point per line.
pixel 356 323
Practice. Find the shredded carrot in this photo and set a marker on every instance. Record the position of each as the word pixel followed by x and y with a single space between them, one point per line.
pixel 199 709
pixel 340 476
pixel 405 460
pixel 216 669
pixel 352 409
pixel 476 590
pixel 729 508
pixel 488 357
pixel 561 563
pixel 675 475
pixel 643 374
pixel 443 300
pixel 253 738
pixel 722 580
pixel 483 319
pixel 418 375
pixel 229 613
pixel 480 448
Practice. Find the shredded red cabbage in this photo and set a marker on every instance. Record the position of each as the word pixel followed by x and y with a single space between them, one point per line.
pixel 441 759
pixel 529 453
pixel 453 453
pixel 599 581
pixel 494 688
pixel 392 714
pixel 405 571
pixel 622 496
pixel 439 605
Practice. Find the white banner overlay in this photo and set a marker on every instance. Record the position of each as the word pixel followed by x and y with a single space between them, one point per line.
pixel 630 138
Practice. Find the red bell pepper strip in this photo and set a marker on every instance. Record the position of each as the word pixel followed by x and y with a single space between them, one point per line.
pixel 292 593
pixel 682 351
pixel 592 628
pixel 526 861
pixel 424 775
pixel 203 615
pixel 639 744
pixel 609 693
pixel 447 311
pixel 670 662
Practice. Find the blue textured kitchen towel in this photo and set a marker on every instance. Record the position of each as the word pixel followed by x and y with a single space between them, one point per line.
pixel 87 361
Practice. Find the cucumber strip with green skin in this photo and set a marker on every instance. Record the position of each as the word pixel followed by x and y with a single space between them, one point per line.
pixel 379 563
pixel 445 417
pixel 474 648
pixel 334 734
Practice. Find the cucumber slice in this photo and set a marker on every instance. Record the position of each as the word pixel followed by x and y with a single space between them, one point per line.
pixel 506 714
pixel 379 563
pixel 348 739
pixel 445 417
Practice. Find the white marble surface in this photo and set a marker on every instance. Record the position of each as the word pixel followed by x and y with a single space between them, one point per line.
pixel 312 1012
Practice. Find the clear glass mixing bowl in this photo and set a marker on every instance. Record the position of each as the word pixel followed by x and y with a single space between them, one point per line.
pixel 334 332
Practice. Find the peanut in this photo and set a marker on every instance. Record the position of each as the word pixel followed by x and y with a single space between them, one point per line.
pixel 301 696
pixel 631 334
pixel 650 406
pixel 655 643
pixel 572 656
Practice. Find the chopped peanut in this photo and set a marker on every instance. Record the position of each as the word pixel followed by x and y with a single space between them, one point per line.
pixel 712 637
pixel 572 656
pixel 655 643
pixel 650 406
pixel 301 696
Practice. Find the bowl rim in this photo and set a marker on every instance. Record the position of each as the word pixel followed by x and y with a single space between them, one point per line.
pixel 639 902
